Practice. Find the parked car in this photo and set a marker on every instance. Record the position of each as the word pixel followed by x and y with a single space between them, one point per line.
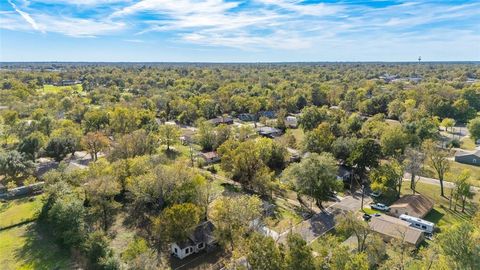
pixel 379 206
pixel 375 194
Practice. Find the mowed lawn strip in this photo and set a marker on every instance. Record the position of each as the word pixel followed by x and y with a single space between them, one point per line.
pixel 19 210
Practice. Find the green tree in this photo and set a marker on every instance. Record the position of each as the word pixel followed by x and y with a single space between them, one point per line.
pixel 315 176
pixel 14 165
pixel 101 190
pixel 365 154
pixel 94 142
pixel 32 144
pixel 448 123
pixel 177 222
pixel 438 160
pixel 169 135
pixel 58 148
pixel 462 189
pixel 349 224
pixel 233 216
pixel 319 139
pixel 263 253
pixel 206 135
pixel 474 129
pixel 298 255
pixel 311 117
pixel 461 244
pixel 393 141
pixel 388 178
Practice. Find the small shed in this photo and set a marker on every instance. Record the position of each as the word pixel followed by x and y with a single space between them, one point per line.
pixel 472 158
pixel 413 205
pixel 201 239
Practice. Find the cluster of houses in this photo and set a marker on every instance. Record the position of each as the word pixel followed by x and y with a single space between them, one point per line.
pixel 404 220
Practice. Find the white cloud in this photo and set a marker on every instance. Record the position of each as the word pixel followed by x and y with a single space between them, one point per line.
pixel 26 17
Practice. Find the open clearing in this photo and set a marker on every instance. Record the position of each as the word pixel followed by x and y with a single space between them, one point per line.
pixel 23 247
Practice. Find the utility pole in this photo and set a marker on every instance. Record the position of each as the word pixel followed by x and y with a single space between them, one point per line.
pixel 363 192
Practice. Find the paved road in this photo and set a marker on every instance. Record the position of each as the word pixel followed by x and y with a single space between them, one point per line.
pixel 434 181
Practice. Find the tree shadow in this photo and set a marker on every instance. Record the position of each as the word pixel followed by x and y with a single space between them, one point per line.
pixel 41 252
pixel 434 216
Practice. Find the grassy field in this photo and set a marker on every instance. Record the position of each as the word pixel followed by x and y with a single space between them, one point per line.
pixel 456 169
pixel 16 211
pixel 441 214
pixel 467 144
pixel 23 247
pixel 49 88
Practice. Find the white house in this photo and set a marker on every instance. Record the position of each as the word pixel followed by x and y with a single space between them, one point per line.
pixel 201 239
pixel 291 121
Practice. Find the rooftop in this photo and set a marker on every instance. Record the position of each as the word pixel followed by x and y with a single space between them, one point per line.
pixel 396 228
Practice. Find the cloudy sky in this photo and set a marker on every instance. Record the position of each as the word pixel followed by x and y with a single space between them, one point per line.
pixel 238 30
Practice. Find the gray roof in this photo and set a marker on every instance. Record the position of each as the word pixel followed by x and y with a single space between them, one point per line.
pixel 465 153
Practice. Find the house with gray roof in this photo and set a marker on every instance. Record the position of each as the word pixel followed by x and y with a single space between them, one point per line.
pixel 471 158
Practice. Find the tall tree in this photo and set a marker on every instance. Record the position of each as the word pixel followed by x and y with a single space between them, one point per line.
pixel 177 222
pixel 365 155
pixel 438 160
pixel 298 255
pixel 315 176
pixel 474 129
pixel 263 253
pixel 169 135
pixel 94 142
pixel 413 164
pixel 233 216
pixel 349 224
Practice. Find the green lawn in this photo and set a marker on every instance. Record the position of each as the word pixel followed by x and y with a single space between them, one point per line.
pixel 441 214
pixel 49 88
pixel 16 211
pixel 284 217
pixel 371 211
pixel 467 144
pixel 299 135
pixel 23 247
pixel 455 169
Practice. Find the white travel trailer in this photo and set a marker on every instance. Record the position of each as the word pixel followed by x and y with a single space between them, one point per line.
pixel 418 223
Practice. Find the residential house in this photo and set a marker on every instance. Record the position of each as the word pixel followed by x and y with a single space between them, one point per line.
pixel 269 132
pixel 268 114
pixel 291 121
pixel 472 158
pixel 247 117
pixel 201 239
pixel 413 205
pixel 391 227
pixel 227 120
pixel 210 157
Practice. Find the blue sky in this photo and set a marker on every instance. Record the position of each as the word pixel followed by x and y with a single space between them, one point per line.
pixel 238 30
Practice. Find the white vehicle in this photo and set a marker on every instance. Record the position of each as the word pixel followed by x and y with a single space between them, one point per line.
pixel 375 194
pixel 380 206
pixel 418 223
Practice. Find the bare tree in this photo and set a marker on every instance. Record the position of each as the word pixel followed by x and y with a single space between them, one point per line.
pixel 413 164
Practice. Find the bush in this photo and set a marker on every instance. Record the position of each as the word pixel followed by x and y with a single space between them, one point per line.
pixel 454 143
